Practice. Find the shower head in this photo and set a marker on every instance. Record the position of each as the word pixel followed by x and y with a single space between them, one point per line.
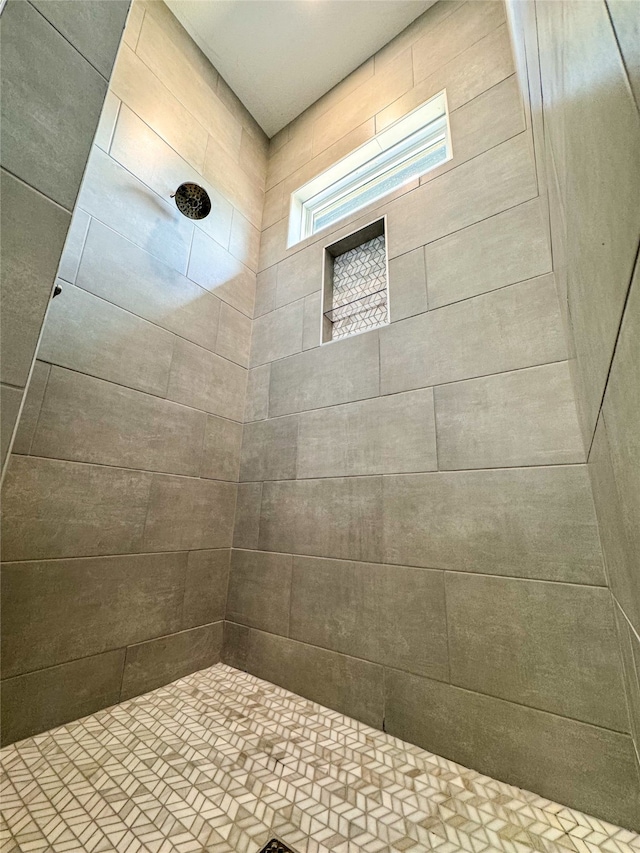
pixel 192 200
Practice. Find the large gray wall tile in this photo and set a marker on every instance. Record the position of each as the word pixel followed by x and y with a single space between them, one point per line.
pixel 269 449
pixel 622 575
pixel 235 645
pixel 28 271
pixel 601 243
pixel 339 372
pixel 73 690
pixel 567 761
pixel 265 291
pixel 299 275
pixel 161 294
pixel 94 29
pixel 501 178
pixel 526 417
pixel 457 32
pixel 346 684
pixel 234 335
pixel 247 521
pixel 55 508
pixel 257 402
pixel 527 522
pixel 87 334
pixel 108 118
pixel 158 662
pixel 627 27
pixel 492 117
pixel 365 101
pixel 10 400
pixel 186 513
pixel 59 610
pixel 504 249
pixel 384 435
pixel 323 518
pixel 259 590
pixel 90 420
pixel 546 645
pixel 221 449
pixel 50 104
pixel 630 648
pixel 277 334
pixel 206 381
pixel 74 245
pixel 386 614
pixel 118 199
pixel 205 591
pixel 221 169
pixel 407 285
pixel 166 48
pixel 483 66
pixel 216 269
pixel 312 323
pixel 518 326
pixel 138 87
pixel 31 409
pixel 621 412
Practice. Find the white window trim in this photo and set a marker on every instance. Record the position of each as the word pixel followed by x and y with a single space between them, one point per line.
pixel 412 134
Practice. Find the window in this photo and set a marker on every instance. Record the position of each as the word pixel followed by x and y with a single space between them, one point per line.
pixel 405 150
pixel 354 295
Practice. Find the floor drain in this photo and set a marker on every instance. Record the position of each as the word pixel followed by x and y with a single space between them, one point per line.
pixel 276 846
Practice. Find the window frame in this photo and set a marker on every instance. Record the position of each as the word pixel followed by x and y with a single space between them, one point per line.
pixel 427 125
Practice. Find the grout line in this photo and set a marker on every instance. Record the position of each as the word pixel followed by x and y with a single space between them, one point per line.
pixel 551 466
pixel 142 20
pixel 626 618
pixel 634 267
pixel 54 364
pixel 165 203
pixel 444 304
pixel 76 49
pixel 411 390
pixel 124 667
pixel 13 386
pixel 441 681
pixel 446 570
pixel 130 554
pixel 112 649
pixel 34 189
pixel 228 584
pixel 623 60
pixel 41 406
pixel 146 471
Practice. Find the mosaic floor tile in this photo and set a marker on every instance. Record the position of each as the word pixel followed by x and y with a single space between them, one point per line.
pixel 223 762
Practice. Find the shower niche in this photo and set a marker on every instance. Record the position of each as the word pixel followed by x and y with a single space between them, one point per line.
pixel 355 289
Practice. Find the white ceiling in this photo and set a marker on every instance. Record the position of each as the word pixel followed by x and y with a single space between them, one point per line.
pixel 279 56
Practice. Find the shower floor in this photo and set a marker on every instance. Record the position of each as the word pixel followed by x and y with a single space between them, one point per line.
pixel 222 761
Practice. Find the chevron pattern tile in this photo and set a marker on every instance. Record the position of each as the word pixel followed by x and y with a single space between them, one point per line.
pixel 359 289
pixel 221 761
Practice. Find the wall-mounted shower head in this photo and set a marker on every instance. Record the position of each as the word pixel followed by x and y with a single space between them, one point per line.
pixel 192 200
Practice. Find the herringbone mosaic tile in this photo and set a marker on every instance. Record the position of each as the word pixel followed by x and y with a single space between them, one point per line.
pixel 223 762
pixel 359 299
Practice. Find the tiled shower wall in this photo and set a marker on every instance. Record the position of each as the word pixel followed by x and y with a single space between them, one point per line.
pixel 416 543
pixel 588 151
pixel 415 538
pixel 120 495
pixel 51 102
